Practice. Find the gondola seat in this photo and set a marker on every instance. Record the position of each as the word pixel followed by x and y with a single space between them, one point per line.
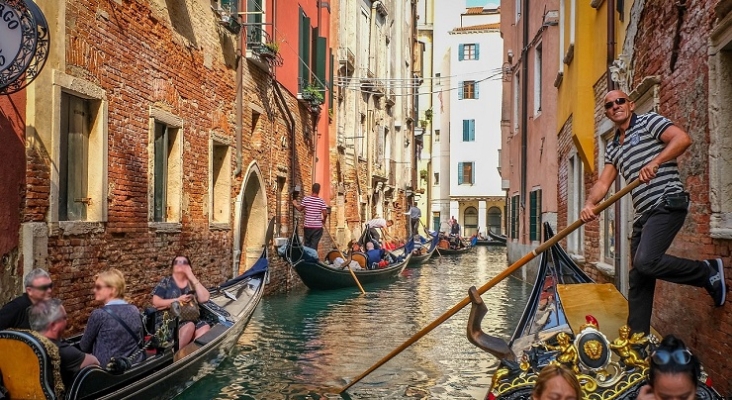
pixel 360 258
pixel 30 366
pixel 333 254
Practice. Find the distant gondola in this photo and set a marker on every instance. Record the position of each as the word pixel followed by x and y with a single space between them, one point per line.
pixel 164 373
pixel 419 259
pixel 317 275
pixel 497 237
pixel 567 319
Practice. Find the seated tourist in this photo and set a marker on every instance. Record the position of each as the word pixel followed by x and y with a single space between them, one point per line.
pixel 674 372
pixel 373 256
pixel 38 287
pixel 48 317
pixel 115 330
pixel 556 382
pixel 183 287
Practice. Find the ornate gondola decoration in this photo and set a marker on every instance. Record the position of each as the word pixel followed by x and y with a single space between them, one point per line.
pixel 24 44
pixel 549 332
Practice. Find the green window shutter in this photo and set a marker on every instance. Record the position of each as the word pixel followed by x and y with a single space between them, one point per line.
pixel 477 50
pixel 476 92
pixel 160 172
pixel 532 215
pixel 460 173
pixel 539 228
pixel 321 58
pixel 330 79
pixel 460 90
pixel 472 130
pixel 303 71
pixel 77 152
pixel 461 48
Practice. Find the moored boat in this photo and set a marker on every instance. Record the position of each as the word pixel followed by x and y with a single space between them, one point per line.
pixel 490 242
pixel 316 275
pixel 568 319
pixel 166 371
pixel 497 237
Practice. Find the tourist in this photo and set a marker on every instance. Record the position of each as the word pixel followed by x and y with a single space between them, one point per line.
pixel 183 287
pixel 115 330
pixel 48 317
pixel 556 382
pixel 674 372
pixel 38 287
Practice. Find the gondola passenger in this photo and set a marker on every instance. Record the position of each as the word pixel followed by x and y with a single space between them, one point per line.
pixel 38 287
pixel 115 329
pixel 373 256
pixel 183 287
pixel 674 372
pixel 556 382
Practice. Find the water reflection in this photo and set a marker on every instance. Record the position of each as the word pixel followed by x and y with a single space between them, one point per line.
pixel 306 345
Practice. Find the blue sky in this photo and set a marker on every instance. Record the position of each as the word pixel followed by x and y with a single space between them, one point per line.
pixel 481 3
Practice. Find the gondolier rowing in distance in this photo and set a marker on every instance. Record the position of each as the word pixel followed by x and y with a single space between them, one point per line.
pixel 645 147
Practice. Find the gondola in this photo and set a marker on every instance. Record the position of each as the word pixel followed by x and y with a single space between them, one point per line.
pixel 163 374
pixel 419 259
pixel 316 275
pixel 490 242
pixel 497 237
pixel 568 319
pixel 449 251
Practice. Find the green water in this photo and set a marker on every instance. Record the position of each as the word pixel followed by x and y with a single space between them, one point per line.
pixel 306 345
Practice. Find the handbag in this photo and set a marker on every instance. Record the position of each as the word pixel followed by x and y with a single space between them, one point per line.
pixel 189 310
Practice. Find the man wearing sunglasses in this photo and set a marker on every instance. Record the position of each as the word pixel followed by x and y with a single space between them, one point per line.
pixel 38 287
pixel 645 147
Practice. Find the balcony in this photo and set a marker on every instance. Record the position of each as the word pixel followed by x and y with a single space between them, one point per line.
pixel 370 84
pixel 390 97
pixel 347 60
pixel 261 49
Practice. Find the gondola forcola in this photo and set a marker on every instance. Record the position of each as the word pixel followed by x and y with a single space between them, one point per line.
pixel 30 363
pixel 568 320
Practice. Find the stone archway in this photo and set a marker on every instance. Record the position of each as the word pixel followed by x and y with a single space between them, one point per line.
pixel 251 220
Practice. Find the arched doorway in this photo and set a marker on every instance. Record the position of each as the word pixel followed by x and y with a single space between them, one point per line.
pixel 251 220
pixel 470 221
pixel 494 220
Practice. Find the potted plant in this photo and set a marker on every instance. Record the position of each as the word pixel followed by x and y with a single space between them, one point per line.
pixel 270 48
pixel 428 114
pixel 313 95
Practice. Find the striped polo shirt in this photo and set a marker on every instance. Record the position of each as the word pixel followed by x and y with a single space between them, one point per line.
pixel 314 207
pixel 641 145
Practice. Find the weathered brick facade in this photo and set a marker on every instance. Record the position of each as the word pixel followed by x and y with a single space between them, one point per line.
pixel 177 59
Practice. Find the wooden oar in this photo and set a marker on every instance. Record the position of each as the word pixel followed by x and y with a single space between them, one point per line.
pixel 346 262
pixel 508 271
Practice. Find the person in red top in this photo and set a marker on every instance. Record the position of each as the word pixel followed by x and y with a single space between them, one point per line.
pixel 315 214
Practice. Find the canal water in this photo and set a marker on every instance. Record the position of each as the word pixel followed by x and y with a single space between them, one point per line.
pixel 307 344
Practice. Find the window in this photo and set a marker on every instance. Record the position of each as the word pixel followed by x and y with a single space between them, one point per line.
pixel 437 79
pixel 466 173
pixel 494 220
pixel 469 51
pixel 535 215
pixel 514 216
pixel 575 201
pixel 304 50
pixel 468 130
pixel 166 189
pixel 435 221
pixel 516 90
pixel 437 135
pixel 82 155
pixel 518 8
pixel 470 221
pixel 437 179
pixel 467 90
pixel 220 182
pixel 537 78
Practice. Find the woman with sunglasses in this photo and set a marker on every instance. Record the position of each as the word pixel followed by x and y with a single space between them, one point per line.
pixel 182 287
pixel 115 329
pixel 556 382
pixel 674 372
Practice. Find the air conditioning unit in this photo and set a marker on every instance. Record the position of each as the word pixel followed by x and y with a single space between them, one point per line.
pixel 505 184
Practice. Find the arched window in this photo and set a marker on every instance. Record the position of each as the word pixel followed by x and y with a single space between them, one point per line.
pixel 470 221
pixel 494 220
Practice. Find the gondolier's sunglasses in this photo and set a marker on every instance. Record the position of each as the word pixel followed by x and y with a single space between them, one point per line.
pixel 679 356
pixel 619 101
pixel 43 288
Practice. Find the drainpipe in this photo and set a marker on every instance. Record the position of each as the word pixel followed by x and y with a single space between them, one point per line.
pixel 524 101
pixel 239 100
pixel 611 85
pixel 610 41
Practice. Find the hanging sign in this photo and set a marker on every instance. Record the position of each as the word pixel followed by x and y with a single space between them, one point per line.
pixel 24 44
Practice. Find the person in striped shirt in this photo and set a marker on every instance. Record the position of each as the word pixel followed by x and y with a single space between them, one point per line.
pixel 315 214
pixel 645 147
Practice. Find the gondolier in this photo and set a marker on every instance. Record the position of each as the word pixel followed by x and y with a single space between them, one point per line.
pixel 315 214
pixel 414 215
pixel 645 147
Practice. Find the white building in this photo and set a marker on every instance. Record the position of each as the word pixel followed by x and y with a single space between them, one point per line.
pixel 467 117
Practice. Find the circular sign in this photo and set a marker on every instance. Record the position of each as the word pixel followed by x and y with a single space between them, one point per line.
pixel 11 35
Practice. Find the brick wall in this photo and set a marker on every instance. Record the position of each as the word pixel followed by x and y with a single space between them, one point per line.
pixel 179 60
pixel 564 148
pixel 684 89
